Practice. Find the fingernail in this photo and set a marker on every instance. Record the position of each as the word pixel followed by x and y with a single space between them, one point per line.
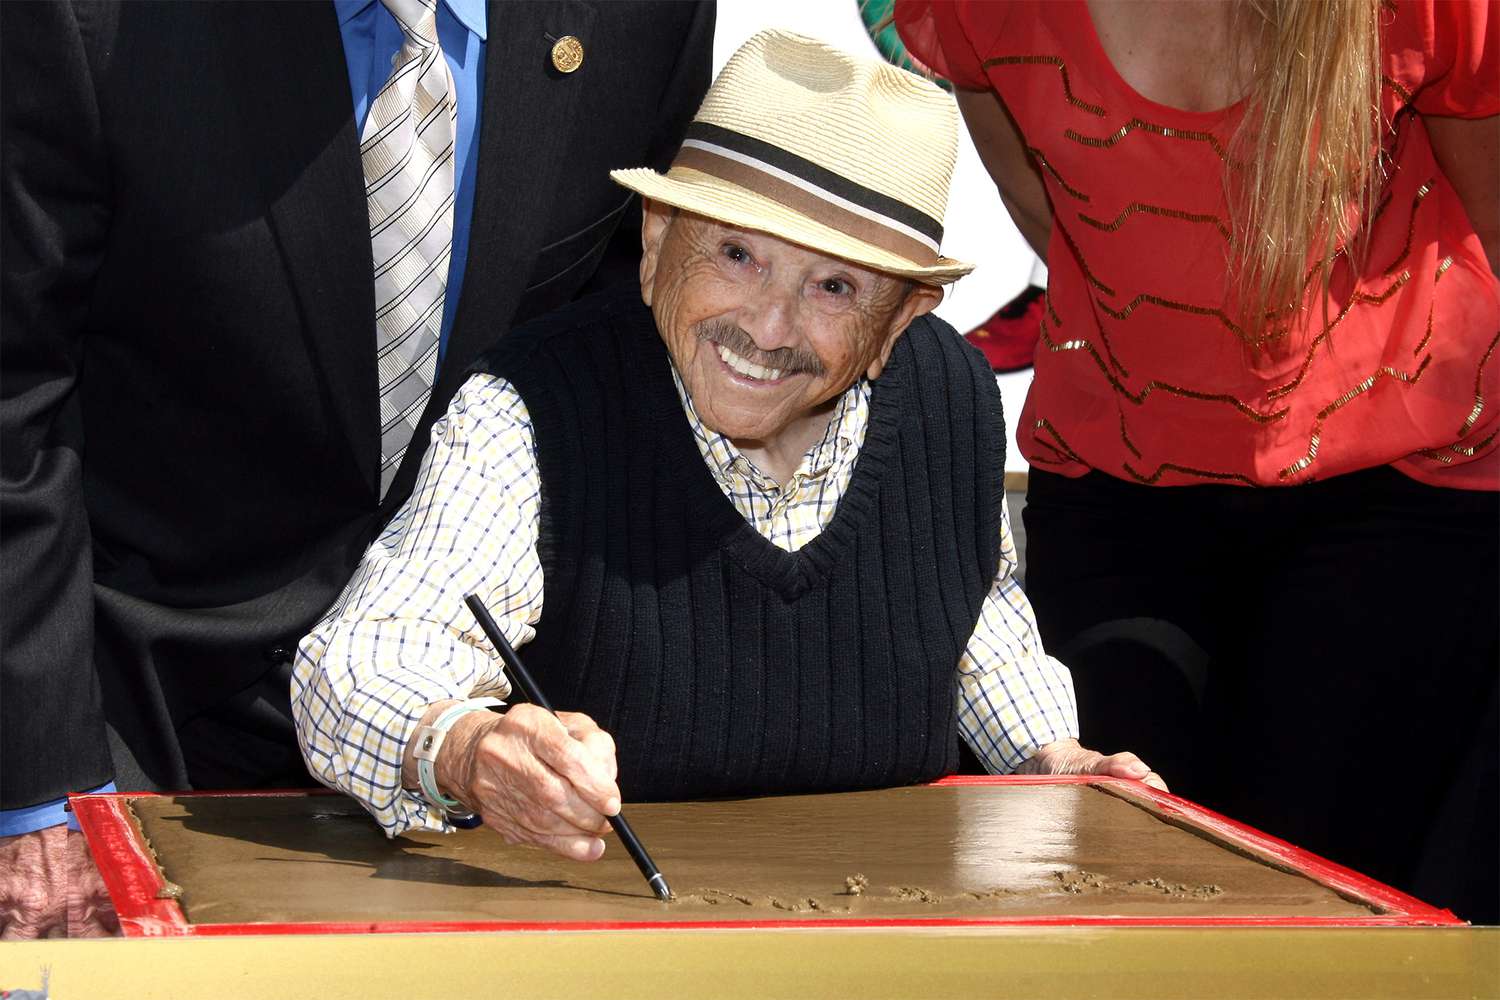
pixel 611 807
pixel 1139 769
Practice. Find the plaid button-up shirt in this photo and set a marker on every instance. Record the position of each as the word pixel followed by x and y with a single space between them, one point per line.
pixel 400 637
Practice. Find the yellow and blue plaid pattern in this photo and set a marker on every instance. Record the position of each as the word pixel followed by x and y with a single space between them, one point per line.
pixel 400 637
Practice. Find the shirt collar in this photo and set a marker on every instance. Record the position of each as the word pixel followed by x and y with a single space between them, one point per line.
pixel 347 9
pixel 845 432
pixel 470 13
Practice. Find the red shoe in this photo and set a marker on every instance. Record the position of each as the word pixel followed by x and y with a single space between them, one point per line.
pixel 1008 338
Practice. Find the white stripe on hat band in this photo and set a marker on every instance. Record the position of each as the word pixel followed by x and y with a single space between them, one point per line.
pixel 813 189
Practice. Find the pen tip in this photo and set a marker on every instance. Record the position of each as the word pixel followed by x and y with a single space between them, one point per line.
pixel 662 890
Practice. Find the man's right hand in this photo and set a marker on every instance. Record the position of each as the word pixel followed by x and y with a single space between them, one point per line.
pixel 535 777
pixel 49 887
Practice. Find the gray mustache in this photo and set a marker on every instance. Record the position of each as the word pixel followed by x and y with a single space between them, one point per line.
pixel 787 359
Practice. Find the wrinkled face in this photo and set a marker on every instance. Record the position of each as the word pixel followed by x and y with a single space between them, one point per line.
pixel 766 333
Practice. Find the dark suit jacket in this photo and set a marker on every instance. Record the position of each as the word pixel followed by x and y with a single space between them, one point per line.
pixel 189 404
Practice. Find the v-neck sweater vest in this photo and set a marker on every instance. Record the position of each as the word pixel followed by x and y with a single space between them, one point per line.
pixel 720 663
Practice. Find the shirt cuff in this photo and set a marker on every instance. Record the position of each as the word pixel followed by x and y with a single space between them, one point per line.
pixel 34 818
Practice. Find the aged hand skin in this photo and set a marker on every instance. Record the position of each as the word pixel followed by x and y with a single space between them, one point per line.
pixel 534 777
pixel 1068 757
pixel 50 887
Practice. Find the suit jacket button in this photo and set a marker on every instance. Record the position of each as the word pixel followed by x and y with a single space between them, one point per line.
pixel 567 54
pixel 278 654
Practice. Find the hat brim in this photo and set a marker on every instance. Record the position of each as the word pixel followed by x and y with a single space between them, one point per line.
pixel 694 191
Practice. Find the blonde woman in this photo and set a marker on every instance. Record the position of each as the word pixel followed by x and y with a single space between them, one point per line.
pixel 1263 426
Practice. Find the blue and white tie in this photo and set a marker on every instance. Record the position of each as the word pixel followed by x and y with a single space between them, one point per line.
pixel 407 152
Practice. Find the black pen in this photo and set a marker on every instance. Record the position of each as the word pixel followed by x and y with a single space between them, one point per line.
pixel 523 679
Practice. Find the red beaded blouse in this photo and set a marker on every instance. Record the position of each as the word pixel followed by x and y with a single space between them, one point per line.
pixel 1141 372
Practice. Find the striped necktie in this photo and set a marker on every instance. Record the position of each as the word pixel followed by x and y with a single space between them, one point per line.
pixel 407 152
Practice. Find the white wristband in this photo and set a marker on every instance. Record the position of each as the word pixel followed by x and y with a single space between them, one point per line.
pixel 429 740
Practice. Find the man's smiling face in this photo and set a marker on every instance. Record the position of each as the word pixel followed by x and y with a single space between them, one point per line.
pixel 766 334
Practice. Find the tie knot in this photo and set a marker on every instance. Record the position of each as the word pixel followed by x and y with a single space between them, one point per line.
pixel 418 19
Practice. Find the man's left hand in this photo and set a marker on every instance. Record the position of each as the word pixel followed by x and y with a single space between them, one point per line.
pixel 1068 757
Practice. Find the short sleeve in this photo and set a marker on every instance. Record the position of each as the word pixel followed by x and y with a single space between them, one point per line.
pixel 935 36
pixel 1448 51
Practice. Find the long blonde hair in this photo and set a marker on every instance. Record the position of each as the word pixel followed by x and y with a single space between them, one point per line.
pixel 1305 162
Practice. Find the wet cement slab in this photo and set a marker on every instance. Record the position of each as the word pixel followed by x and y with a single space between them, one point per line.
pixel 926 852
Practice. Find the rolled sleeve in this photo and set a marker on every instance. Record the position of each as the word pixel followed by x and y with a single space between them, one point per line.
pixel 937 34
pixel 400 637
pixel 1013 698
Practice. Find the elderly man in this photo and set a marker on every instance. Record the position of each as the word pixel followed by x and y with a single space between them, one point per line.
pixel 749 523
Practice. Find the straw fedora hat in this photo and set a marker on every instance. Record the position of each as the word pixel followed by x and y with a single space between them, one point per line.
pixel 848 157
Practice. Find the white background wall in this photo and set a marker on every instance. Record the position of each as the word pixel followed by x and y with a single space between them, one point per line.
pixel 977 228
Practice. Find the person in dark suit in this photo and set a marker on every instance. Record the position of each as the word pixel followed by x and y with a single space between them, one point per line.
pixel 193 458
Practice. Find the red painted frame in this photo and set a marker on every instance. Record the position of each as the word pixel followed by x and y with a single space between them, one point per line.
pixel 135 883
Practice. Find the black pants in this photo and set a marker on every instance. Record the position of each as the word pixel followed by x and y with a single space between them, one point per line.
pixel 1318 661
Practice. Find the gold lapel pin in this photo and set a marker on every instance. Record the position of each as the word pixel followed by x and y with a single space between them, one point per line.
pixel 567 53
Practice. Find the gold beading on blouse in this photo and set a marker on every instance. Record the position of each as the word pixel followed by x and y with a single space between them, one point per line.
pixel 1062 70
pixel 1362 387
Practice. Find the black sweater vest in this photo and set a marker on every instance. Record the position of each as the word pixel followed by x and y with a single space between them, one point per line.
pixel 721 664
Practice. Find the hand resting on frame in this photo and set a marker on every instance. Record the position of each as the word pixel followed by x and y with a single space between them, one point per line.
pixel 1069 757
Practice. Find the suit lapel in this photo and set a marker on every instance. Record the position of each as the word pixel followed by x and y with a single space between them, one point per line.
pixel 526 126
pixel 308 159
pixel 298 120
